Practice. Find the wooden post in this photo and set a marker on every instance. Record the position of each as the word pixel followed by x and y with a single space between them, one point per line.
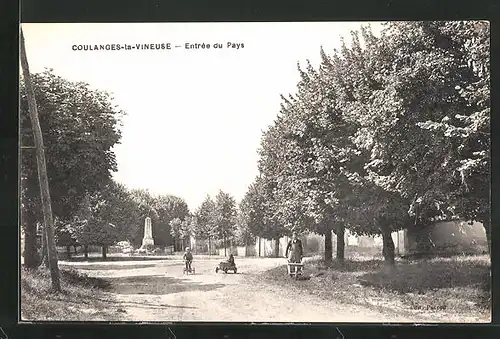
pixel 42 170
pixel 224 241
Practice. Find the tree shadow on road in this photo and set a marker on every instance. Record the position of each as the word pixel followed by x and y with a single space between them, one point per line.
pixel 156 284
pixel 122 304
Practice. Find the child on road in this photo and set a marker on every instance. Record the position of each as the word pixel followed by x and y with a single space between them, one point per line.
pixel 188 258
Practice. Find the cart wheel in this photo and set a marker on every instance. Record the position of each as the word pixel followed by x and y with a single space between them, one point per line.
pixel 225 270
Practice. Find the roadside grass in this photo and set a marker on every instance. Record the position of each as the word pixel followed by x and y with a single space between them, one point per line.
pixel 82 298
pixel 447 288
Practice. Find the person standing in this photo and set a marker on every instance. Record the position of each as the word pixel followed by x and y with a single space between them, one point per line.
pixel 188 257
pixel 294 250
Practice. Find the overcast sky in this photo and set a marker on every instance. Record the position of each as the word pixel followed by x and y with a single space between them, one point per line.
pixel 194 117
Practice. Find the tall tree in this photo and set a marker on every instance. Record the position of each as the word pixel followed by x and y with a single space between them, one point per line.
pixel 310 153
pixel 243 232
pixel 466 173
pixel 225 217
pixel 261 210
pixel 408 91
pixel 79 126
pixel 168 208
pixel 106 217
pixel 181 230
pixel 205 227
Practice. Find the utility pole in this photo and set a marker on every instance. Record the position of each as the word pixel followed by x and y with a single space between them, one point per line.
pixel 42 170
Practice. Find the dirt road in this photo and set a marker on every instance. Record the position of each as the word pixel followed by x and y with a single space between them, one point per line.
pixel 158 291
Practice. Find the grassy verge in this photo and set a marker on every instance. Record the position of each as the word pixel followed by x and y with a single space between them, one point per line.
pixel 448 289
pixel 82 298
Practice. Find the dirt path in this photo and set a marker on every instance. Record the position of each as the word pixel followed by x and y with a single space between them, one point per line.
pixel 158 291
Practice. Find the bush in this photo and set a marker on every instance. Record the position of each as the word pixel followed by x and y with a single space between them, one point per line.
pixel 81 298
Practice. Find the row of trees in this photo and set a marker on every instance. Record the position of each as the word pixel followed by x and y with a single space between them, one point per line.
pixel 116 214
pixel 80 127
pixel 212 220
pixel 389 133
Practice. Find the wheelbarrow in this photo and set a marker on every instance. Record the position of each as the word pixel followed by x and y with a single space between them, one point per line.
pixel 295 270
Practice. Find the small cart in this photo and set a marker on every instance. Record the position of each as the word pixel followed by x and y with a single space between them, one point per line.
pixel 295 270
pixel 225 266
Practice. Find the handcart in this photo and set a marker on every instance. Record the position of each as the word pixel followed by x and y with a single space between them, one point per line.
pixel 295 270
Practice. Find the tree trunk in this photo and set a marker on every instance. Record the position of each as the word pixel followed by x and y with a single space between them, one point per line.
pixel 209 247
pixel 104 251
pixel 423 237
pixel 259 246
pixel 388 247
pixel 224 244
pixel 45 257
pixel 74 249
pixel 277 248
pixel 86 251
pixel 31 259
pixel 328 246
pixel 340 243
pixel 42 169
pixel 68 251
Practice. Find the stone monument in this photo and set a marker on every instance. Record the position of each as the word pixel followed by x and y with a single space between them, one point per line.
pixel 148 233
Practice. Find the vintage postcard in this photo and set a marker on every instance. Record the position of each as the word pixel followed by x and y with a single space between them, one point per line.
pixel 270 172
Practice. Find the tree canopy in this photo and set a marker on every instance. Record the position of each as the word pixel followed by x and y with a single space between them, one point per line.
pixel 389 132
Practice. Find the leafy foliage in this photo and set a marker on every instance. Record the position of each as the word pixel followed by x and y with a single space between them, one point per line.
pixel 180 229
pixel 106 217
pixel 205 225
pixel 225 216
pixel 389 132
pixel 80 126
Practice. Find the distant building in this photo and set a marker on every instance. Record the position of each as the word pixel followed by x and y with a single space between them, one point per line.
pixel 447 237
pixel 450 237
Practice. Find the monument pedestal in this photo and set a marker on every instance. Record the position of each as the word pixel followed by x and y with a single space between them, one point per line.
pixel 148 233
pixel 147 241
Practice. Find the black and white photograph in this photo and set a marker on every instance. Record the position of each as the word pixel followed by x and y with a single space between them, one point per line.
pixel 255 172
